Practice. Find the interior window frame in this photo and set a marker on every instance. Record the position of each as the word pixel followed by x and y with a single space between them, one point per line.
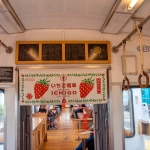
pixel 2 91
pixel 131 105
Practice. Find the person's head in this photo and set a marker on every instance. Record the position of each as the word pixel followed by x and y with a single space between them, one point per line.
pixel 42 106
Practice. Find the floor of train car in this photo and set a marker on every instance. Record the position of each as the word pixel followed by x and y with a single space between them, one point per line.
pixel 63 138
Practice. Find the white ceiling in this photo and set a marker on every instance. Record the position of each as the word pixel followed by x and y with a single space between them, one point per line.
pixel 72 14
pixel 2 30
pixel 142 12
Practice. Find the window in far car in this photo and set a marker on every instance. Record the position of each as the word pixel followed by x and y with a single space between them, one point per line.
pixel 129 129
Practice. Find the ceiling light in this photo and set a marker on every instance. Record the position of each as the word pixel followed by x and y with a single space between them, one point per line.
pixel 131 5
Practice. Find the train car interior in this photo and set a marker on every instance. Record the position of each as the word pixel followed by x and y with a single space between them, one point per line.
pixel 74 75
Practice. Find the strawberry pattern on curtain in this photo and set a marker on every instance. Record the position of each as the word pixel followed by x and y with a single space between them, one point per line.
pixel 57 86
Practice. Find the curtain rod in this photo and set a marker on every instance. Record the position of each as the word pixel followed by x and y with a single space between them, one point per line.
pixel 7 48
pixel 115 49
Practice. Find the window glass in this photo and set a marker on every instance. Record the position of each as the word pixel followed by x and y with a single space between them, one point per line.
pixel 146 103
pixel 128 113
pixel 33 111
pixel 146 95
pixel 1 116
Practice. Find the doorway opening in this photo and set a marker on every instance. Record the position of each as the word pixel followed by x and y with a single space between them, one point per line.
pixel 69 132
pixel 64 83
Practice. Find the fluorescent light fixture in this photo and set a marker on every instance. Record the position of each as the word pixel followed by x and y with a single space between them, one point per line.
pixel 131 5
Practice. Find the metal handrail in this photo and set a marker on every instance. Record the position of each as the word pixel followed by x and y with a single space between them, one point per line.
pixel 115 49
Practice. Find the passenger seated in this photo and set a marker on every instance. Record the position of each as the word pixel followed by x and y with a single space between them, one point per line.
pixel 71 107
pixel 60 106
pixel 51 117
pixel 87 141
pixel 42 109
pixel 57 108
pixel 78 108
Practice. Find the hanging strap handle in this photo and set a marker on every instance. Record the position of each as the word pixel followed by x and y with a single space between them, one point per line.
pixel 142 63
pixel 124 60
pixel 141 51
pixel 147 80
pixel 125 87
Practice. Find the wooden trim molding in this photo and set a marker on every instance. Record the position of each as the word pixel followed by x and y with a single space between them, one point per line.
pixel 63 52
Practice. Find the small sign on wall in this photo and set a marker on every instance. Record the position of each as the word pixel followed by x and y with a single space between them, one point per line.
pixel 131 64
pixel 6 74
pixel 145 48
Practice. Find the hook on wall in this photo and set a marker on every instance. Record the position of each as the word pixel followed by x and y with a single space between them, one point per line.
pixel 8 49
pixel 115 49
